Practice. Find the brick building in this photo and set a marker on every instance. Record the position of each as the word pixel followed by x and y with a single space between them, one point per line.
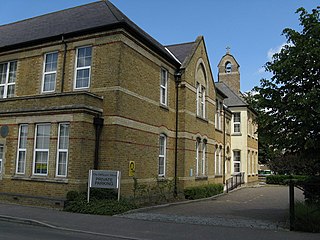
pixel 86 88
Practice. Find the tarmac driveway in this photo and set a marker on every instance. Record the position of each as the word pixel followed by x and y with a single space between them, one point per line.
pixel 264 207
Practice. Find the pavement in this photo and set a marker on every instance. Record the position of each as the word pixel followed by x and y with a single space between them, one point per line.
pixel 260 208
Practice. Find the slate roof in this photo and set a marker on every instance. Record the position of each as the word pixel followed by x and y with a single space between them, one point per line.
pixel 181 51
pixel 233 100
pixel 89 18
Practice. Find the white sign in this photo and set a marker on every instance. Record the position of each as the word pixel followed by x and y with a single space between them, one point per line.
pixel 104 179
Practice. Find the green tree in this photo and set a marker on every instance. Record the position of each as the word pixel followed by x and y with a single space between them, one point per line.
pixel 289 103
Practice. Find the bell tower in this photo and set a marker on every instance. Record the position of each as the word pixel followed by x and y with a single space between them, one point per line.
pixel 228 71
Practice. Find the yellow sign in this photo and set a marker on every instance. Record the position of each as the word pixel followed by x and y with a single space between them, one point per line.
pixel 131 168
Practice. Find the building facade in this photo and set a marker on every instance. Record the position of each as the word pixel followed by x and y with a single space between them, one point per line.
pixel 97 92
pixel 244 138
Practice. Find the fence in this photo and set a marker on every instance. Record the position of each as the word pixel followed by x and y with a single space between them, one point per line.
pixel 235 181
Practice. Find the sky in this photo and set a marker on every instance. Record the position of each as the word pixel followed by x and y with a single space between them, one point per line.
pixel 251 28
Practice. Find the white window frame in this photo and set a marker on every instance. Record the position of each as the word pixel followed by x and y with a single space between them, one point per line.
pixel 22 149
pixel 62 150
pixel 201 100
pixel 236 124
pixel 204 157
pixel 1 156
pixel 164 87
pixel 82 68
pixel 162 155
pixel 198 141
pixel 236 160
pixel 218 158
pixel 49 72
pixel 6 83
pixel 218 117
pixel 43 150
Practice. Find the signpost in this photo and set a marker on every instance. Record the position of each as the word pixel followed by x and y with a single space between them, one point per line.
pixel 104 179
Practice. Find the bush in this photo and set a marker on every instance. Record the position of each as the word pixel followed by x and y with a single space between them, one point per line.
pixel 102 202
pixel 307 217
pixel 204 191
pixel 283 179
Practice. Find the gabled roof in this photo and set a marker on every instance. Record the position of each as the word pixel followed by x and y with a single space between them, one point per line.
pixel 89 18
pixel 233 100
pixel 182 50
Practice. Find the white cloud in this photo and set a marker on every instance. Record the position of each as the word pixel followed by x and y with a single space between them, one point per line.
pixel 261 70
pixel 272 51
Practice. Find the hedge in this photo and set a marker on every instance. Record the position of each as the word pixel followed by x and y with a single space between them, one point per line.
pixel 203 191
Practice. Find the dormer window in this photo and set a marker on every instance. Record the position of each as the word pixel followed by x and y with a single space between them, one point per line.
pixel 228 67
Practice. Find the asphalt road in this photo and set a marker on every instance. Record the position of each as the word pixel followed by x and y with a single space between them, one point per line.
pixel 194 220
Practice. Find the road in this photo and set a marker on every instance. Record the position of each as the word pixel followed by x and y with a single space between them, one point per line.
pixel 179 222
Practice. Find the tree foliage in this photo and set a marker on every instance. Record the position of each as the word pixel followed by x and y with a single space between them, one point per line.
pixel 289 103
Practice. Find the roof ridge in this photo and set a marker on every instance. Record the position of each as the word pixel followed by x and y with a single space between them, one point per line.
pixel 115 11
pixel 179 44
pixel 46 14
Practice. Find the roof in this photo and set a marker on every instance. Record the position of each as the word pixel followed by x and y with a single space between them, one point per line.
pixel 233 100
pixel 89 18
pixel 182 50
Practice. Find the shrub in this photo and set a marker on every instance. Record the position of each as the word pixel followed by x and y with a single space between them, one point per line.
pixel 97 206
pixel 204 191
pixel 283 179
pixel 307 217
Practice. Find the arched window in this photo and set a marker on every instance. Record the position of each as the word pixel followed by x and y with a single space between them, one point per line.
pixel 201 88
pixel 228 67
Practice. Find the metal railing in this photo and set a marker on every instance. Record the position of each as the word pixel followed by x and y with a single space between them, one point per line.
pixel 235 181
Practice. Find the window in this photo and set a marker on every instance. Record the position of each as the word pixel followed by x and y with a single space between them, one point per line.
pixel 236 161
pixel 249 164
pixel 228 67
pixel 83 68
pixel 62 149
pixel 218 157
pixel 49 72
pixel 198 156
pixel 22 149
pixel 1 156
pixel 8 72
pixel 201 100
pixel 162 155
pixel 218 116
pixel 164 87
pixel 204 156
pixel 236 122
pixel 41 149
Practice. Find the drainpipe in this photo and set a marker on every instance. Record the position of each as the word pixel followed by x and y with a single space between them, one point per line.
pixel 224 145
pixel 177 77
pixel 64 62
pixel 98 124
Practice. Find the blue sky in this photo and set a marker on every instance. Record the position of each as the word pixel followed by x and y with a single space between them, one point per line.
pixel 251 28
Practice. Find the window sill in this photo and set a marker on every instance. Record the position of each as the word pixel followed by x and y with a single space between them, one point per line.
pixel 219 130
pixel 162 179
pixel 236 134
pixel 202 119
pixel 40 179
pixel 164 107
pixel 201 178
pixel 218 176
